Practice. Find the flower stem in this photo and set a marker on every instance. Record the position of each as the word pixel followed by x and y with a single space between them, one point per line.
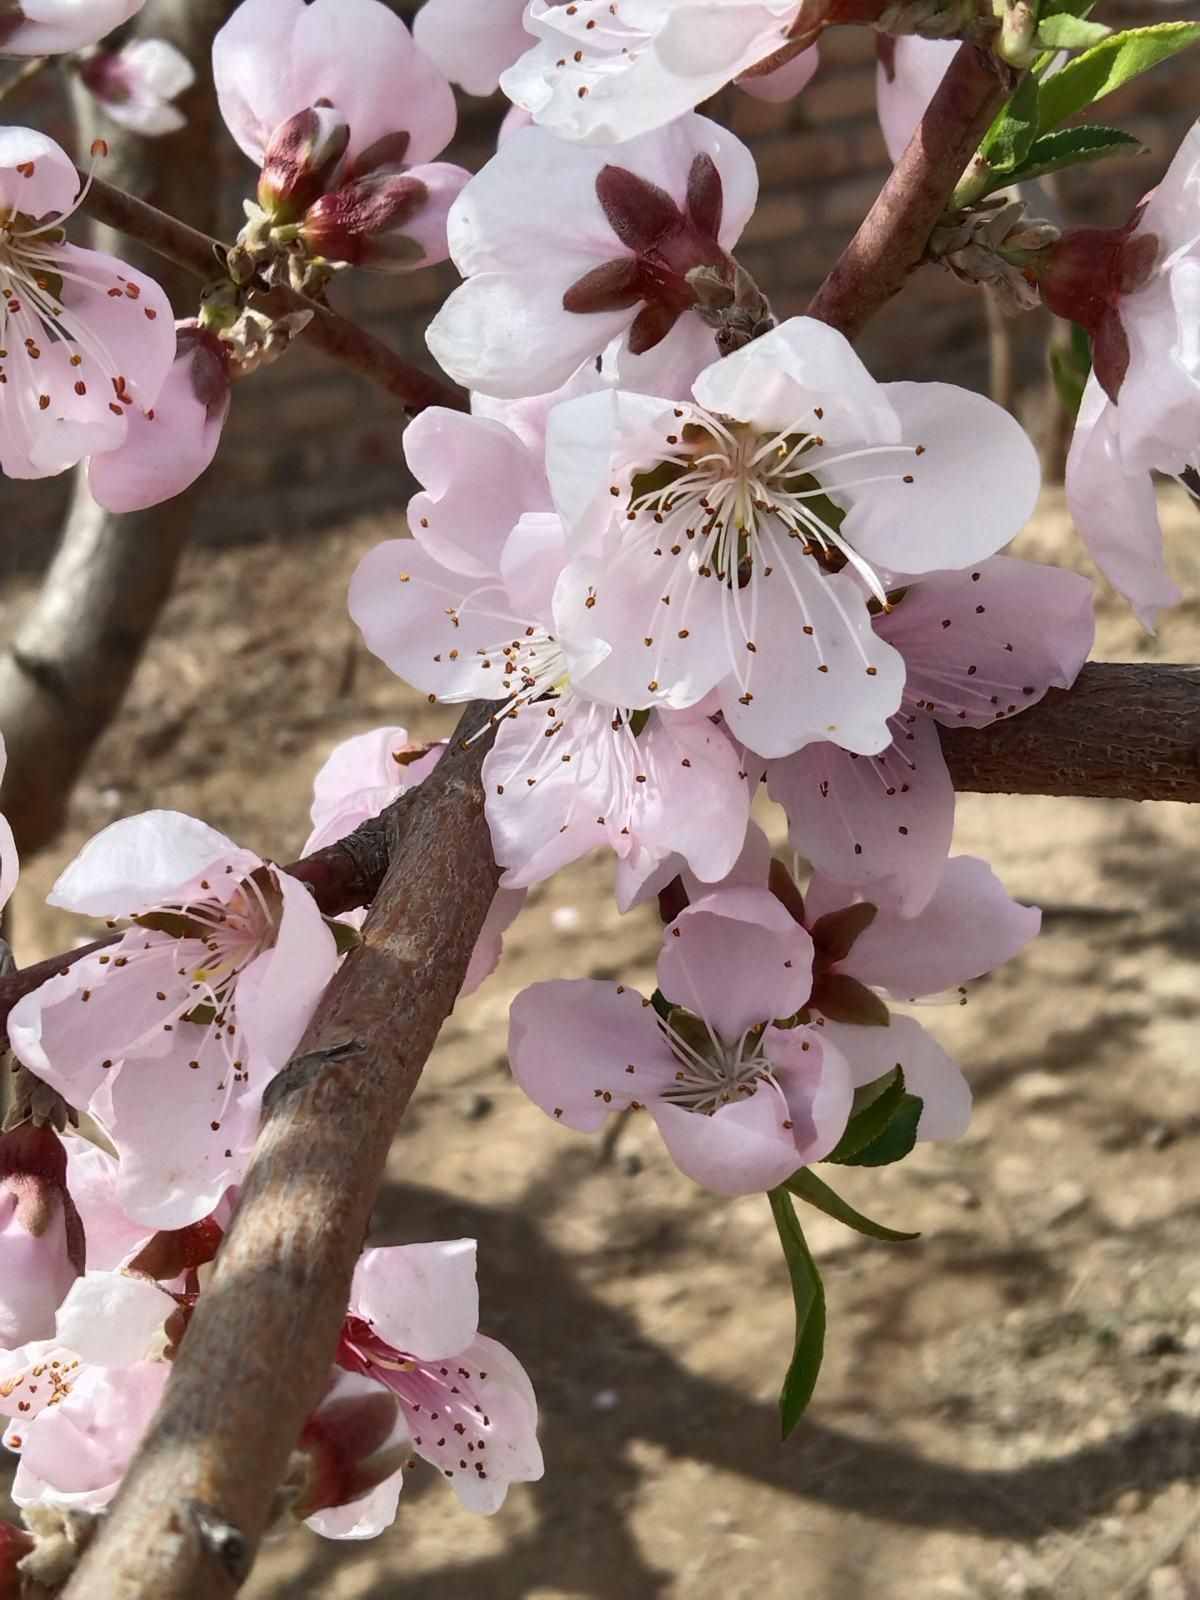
pixel 29 71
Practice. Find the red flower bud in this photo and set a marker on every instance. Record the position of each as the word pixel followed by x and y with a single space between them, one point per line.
pixel 300 161
pixel 41 1236
pixel 351 1444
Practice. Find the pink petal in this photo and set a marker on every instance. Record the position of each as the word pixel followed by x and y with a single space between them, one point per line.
pixel 969 927
pixel 252 71
pixel 472 41
pixel 503 912
pixel 817 1084
pixel 736 958
pixel 786 82
pixel 112 1319
pixel 36 1270
pixel 989 640
pixel 49 188
pixel 279 990
pixel 112 1236
pixel 77 1452
pixel 365 1518
pixel 421 1298
pixel 903 92
pixel 882 823
pixel 49 27
pixel 741 1149
pixel 929 1072
pixel 142 861
pixel 571 1044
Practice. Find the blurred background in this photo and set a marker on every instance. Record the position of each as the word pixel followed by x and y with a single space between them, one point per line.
pixel 1011 1405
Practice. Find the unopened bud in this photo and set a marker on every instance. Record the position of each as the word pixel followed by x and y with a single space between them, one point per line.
pixel 41 1236
pixel 365 222
pixel 300 161
pixel 351 1444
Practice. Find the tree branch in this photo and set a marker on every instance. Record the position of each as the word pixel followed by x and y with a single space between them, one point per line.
pixel 892 238
pixel 333 335
pixel 256 1356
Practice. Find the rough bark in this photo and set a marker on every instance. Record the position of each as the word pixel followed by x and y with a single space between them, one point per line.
pixel 254 1362
pixel 64 676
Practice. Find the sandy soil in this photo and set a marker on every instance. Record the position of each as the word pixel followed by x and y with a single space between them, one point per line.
pixel 1010 1406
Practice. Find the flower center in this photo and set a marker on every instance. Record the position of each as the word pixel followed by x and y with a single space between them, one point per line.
pixel 712 1072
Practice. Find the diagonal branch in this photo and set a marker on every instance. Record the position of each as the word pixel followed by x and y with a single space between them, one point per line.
pixel 257 1353
pixel 895 232
pixel 335 336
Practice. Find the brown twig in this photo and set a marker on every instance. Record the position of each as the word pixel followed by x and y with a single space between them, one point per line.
pixel 335 336
pixel 892 238
pixel 197 1498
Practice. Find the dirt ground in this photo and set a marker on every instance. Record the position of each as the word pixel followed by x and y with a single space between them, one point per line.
pixel 1010 1406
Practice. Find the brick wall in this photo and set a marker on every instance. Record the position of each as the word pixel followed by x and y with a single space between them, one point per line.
pixel 309 444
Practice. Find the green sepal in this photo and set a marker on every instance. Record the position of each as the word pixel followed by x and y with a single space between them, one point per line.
pixel 1071 147
pixel 1070 367
pixel 806 1186
pixel 808 1295
pixel 1108 65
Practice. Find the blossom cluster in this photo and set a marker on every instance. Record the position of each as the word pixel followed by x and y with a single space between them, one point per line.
pixel 686 552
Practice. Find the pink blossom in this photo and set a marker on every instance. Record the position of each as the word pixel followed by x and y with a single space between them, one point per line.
pixel 967 928
pixel 41 1240
pixel 357 1443
pixel 978 645
pixel 1138 290
pixel 467 610
pixel 137 84
pixel 732 543
pixel 93 1178
pixel 183 1023
pixel 361 777
pixel 413 1327
pixel 353 64
pixel 472 41
pixel 740 1102
pixel 86 339
pixel 603 75
pixel 49 27
pixel 906 78
pixel 169 446
pixel 78 1403
pixel 613 245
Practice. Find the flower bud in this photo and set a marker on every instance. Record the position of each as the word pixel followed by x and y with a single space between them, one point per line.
pixel 352 1442
pixel 41 1236
pixel 389 221
pixel 300 161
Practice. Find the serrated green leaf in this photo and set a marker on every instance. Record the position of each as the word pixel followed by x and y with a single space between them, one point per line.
pixel 808 1295
pixel 1066 32
pixel 895 1141
pixel 1106 66
pixel 867 1124
pixel 806 1186
pixel 1015 128
pixel 1070 147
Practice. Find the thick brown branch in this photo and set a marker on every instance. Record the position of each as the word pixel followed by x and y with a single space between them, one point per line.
pixel 197 1498
pixel 892 238
pixel 1124 732
pixel 341 340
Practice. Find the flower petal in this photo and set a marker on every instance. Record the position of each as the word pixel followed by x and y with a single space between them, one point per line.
pixel 421 1298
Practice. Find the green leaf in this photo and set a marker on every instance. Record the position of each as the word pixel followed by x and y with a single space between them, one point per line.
pixel 1069 147
pixel 1070 366
pixel 866 1125
pixel 808 1295
pixel 1106 66
pixel 1014 130
pixel 1065 32
pixel 806 1186
pixel 895 1141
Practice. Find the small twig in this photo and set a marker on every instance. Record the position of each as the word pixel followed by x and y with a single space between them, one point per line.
pixel 259 1346
pixel 334 335
pixel 892 238
pixel 30 70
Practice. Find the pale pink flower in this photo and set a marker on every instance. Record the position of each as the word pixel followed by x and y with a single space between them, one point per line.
pixel 93 1178
pixel 785 81
pixel 466 610
pixel 49 27
pixel 86 340
pixel 732 542
pixel 78 1403
pixel 413 1326
pixel 473 41
pixel 384 112
pixel 137 84
pixel 357 1443
pixel 360 778
pixel 184 1022
pixel 968 927
pixel 906 78
pixel 740 1103
pixel 170 445
pixel 604 74
pixel 41 1240
pixel 612 243
pixel 1141 408
pixel 978 645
